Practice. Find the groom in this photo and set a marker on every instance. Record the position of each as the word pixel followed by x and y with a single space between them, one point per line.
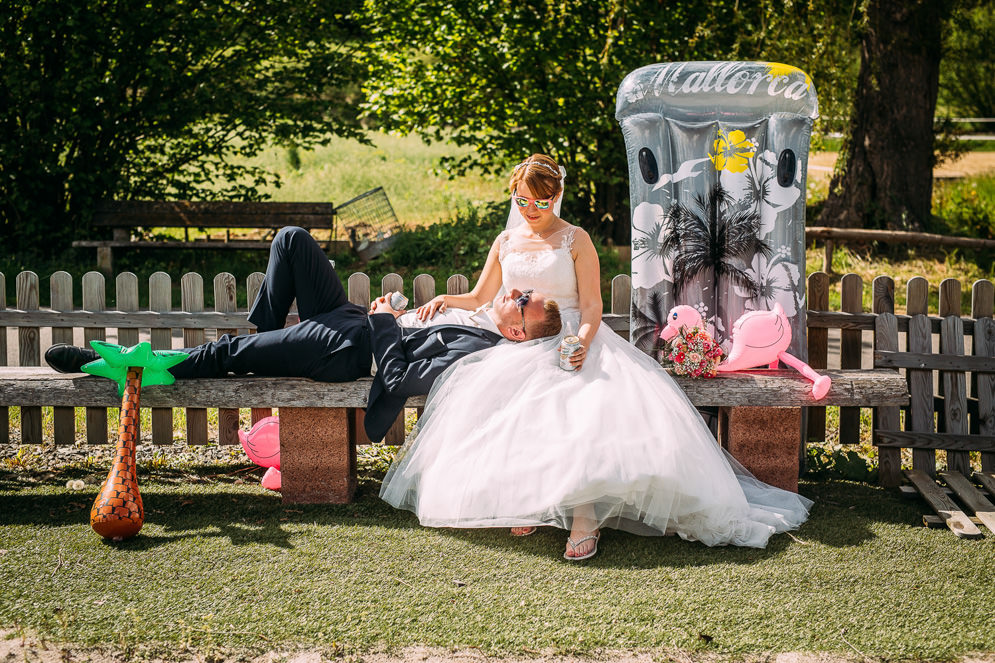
pixel 336 340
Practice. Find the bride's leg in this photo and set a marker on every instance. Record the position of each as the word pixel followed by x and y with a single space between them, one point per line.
pixel 584 525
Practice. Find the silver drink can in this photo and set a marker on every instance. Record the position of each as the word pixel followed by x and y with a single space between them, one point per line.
pixel 568 346
pixel 398 302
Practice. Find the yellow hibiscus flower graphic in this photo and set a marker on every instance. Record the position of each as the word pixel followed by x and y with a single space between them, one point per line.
pixel 777 69
pixel 732 151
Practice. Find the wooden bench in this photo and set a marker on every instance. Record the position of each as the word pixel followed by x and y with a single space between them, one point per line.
pixel 321 422
pixel 318 433
pixel 124 217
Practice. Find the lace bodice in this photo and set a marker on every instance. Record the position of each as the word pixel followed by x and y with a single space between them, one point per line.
pixel 547 265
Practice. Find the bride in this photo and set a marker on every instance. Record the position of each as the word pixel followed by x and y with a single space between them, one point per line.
pixel 510 439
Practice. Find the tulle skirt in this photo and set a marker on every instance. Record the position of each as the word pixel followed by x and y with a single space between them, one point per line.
pixel 510 439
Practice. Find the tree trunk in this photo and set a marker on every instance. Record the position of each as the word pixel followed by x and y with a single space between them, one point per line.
pixel 887 176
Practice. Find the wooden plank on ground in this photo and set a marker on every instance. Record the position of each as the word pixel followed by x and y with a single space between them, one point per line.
pixel 972 498
pixel 955 519
pixel 935 521
pixel 986 479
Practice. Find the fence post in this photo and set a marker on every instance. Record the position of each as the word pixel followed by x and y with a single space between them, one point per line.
pixel 95 299
pixel 4 413
pixel 395 435
pixel 192 298
pixel 818 351
pixel 126 299
pixel 953 383
pixel 920 339
pixel 886 339
pixel 252 286
pixel 29 352
pixel 225 302
pixel 851 347
pixel 61 298
pixel 359 294
pixel 983 384
pixel 161 300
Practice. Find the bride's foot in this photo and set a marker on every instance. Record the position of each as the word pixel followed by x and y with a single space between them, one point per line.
pixel 523 531
pixel 582 545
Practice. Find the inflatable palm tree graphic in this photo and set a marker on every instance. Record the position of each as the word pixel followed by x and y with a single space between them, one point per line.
pixel 117 513
pixel 713 234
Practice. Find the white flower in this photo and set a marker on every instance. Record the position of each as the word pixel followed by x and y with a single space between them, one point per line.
pixel 778 280
pixel 75 484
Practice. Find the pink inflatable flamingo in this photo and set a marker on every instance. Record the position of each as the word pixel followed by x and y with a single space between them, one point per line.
pixel 680 317
pixel 262 446
pixel 762 337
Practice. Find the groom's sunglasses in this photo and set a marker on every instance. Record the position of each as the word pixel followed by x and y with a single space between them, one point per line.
pixel 522 301
pixel 523 202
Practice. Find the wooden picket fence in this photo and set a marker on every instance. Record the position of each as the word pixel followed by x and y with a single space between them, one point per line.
pixel 956 418
pixel 158 322
pixel 951 408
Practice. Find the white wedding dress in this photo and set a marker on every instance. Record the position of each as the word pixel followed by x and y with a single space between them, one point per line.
pixel 509 438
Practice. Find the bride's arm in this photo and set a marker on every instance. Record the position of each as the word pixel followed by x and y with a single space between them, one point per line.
pixel 487 287
pixel 589 291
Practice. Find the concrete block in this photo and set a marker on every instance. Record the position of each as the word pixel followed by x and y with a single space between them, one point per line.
pixel 765 440
pixel 317 455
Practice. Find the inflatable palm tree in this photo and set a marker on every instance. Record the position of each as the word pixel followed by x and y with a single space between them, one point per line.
pixel 117 513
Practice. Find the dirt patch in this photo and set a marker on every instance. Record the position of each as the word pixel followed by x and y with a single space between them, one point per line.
pixel 15 647
pixel 821 164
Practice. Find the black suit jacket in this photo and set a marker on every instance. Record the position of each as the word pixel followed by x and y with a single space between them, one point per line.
pixel 408 361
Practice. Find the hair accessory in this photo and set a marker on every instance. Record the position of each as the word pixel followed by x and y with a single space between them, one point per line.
pixel 538 163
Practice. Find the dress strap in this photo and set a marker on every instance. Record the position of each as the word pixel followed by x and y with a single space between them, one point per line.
pixel 568 238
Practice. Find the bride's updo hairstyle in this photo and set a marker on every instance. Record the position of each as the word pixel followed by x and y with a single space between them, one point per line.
pixel 540 174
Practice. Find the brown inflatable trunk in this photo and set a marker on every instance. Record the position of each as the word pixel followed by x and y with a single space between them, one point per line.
pixel 117 512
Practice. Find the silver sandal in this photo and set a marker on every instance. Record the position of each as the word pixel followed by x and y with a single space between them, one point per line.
pixel 576 544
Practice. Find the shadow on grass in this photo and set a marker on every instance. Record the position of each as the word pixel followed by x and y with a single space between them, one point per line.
pixel 844 515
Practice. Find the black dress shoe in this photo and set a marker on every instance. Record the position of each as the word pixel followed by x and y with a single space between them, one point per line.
pixel 69 358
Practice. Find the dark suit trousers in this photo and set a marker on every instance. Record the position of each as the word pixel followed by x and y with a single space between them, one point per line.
pixel 331 343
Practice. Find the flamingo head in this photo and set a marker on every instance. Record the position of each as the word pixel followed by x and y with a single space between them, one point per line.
pixel 682 316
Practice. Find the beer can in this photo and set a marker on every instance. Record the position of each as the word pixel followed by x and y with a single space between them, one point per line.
pixel 568 346
pixel 398 302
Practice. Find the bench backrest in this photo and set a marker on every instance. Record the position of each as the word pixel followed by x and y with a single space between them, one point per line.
pixel 186 214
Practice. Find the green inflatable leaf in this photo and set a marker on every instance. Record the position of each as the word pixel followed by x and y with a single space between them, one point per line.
pixel 116 359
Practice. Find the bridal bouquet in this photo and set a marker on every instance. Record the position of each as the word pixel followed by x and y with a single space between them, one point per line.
pixel 694 353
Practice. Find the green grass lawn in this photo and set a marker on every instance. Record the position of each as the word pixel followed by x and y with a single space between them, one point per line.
pixel 226 566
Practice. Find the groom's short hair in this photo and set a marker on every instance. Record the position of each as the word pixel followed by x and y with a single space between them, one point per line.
pixel 550 324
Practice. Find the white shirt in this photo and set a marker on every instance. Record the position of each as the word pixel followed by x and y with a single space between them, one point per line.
pixel 452 316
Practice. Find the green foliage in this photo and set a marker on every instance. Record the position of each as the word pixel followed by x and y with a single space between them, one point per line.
pixel 457 246
pixel 965 207
pixel 510 78
pixel 153 100
pixel 967 72
pixel 838 463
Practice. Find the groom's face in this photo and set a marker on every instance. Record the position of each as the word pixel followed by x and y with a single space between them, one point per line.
pixel 509 313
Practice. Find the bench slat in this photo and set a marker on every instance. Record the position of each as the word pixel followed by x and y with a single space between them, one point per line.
pixel 42 386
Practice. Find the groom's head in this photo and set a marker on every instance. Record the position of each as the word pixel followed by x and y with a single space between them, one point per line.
pixel 523 316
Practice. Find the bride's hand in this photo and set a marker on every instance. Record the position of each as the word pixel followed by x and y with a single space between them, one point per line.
pixel 578 357
pixel 428 311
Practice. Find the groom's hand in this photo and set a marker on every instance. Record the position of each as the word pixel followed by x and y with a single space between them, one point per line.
pixel 382 305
